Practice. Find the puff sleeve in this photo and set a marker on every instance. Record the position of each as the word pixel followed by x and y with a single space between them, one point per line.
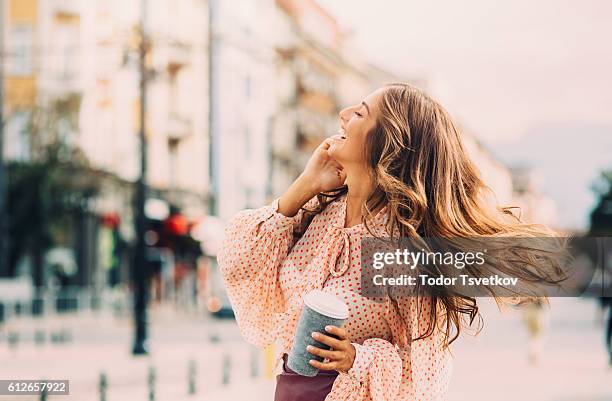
pixel 403 369
pixel 255 244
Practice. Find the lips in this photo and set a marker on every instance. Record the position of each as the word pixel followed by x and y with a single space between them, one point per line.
pixel 339 136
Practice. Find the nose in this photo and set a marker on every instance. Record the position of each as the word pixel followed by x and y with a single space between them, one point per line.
pixel 342 114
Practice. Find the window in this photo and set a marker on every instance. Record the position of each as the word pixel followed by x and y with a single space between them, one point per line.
pixel 20 51
pixel 66 40
pixel 18 143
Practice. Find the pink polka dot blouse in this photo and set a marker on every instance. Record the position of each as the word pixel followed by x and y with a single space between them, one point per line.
pixel 267 270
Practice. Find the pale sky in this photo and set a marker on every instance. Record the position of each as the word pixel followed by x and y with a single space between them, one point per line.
pixel 512 72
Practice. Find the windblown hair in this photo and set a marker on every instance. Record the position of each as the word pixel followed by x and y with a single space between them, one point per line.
pixel 423 173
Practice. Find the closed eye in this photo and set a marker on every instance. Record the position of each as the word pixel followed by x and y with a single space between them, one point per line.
pixel 358 114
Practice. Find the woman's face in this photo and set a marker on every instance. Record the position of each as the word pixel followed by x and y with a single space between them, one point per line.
pixel 348 147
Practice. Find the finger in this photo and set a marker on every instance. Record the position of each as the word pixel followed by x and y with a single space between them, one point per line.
pixel 326 143
pixel 329 354
pixel 332 365
pixel 336 166
pixel 338 331
pixel 331 341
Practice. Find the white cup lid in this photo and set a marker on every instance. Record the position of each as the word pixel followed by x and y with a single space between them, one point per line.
pixel 326 304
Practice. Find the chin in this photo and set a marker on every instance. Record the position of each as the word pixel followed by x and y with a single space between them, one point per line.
pixel 343 161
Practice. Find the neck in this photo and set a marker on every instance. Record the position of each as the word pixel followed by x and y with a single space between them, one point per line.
pixel 360 187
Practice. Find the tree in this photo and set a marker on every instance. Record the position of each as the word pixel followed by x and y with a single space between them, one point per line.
pixel 48 187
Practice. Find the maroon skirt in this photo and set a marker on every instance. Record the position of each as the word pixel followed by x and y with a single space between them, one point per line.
pixel 291 386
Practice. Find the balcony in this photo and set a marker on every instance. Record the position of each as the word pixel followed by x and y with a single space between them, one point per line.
pixel 67 8
pixel 178 56
pixel 179 127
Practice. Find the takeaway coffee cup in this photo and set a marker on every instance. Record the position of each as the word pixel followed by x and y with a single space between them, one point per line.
pixel 320 309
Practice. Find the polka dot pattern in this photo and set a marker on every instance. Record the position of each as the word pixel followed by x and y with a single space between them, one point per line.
pixel 267 270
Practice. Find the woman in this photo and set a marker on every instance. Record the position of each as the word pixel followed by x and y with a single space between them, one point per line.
pixel 397 166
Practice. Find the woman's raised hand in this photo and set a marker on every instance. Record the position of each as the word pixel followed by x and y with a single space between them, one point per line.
pixel 322 170
pixel 322 173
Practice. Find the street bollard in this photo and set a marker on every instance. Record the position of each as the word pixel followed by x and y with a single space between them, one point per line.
pixel 227 366
pixel 151 381
pixel 56 338
pixel 191 377
pixel 269 361
pixel 254 362
pixel 102 386
pixel 66 335
pixel 39 337
pixel 43 394
pixel 13 339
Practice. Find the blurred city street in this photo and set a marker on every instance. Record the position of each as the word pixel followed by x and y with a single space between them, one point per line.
pixel 102 345
pixel 491 366
pixel 573 365
pixel 132 132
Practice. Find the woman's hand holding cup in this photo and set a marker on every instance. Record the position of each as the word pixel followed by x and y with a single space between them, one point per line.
pixel 342 354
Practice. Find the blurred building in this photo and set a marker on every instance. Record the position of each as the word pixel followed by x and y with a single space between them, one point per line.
pixel 61 47
pixel 85 52
pixel 309 62
pixel 319 72
pixel 242 93
pixel 239 95
pixel 516 187
pixel 496 175
pixel 536 207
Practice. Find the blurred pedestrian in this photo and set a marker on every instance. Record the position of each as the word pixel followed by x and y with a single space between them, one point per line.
pixel 535 319
pixel 606 302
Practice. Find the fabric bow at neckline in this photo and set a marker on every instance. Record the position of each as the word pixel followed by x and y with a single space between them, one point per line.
pixel 337 244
